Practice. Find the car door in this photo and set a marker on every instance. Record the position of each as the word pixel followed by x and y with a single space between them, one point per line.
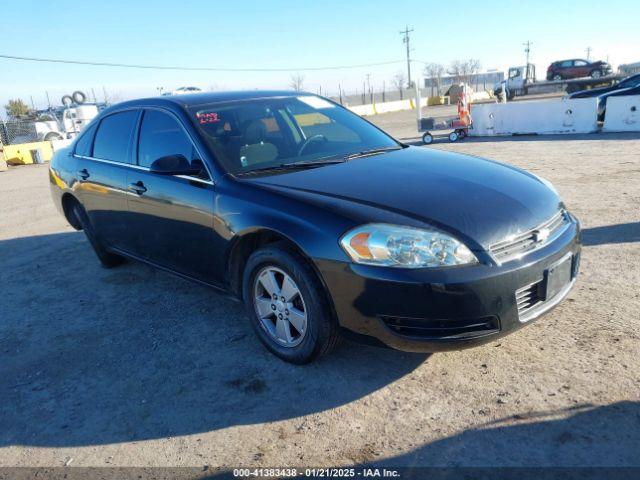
pixel 170 216
pixel 103 162
pixel 580 68
pixel 566 69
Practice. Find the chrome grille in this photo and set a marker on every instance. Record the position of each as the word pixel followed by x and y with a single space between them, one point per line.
pixel 528 297
pixel 517 245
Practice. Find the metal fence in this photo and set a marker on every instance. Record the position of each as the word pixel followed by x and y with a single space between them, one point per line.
pixel 18 131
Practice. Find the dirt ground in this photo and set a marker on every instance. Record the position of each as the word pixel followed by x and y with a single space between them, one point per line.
pixel 134 367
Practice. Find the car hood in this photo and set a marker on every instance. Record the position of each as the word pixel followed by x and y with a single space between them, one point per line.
pixel 621 92
pixel 479 201
pixel 594 92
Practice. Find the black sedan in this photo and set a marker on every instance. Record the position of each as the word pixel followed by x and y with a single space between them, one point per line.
pixel 627 86
pixel 320 222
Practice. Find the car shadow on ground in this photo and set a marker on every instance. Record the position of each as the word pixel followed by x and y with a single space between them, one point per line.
pixel 417 141
pixel 619 233
pixel 585 435
pixel 94 356
pixel 585 441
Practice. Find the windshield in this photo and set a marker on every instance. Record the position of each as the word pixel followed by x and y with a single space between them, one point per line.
pixel 257 134
pixel 630 82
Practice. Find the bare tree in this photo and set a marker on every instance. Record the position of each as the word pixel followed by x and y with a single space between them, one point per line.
pixel 463 71
pixel 399 80
pixel 474 66
pixel 297 82
pixel 434 72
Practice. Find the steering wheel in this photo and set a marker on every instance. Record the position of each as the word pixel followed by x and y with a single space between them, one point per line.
pixel 309 141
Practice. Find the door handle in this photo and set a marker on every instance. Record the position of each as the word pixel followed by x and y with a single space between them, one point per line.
pixel 83 174
pixel 137 187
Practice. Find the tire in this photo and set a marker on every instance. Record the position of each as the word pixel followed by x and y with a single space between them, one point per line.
pixel 453 137
pixel 79 97
pixel 557 77
pixel 461 134
pixel 596 74
pixel 67 100
pixel 427 138
pixel 107 259
pixel 52 136
pixel 321 331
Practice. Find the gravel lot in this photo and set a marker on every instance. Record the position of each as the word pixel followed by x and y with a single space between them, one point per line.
pixel 133 366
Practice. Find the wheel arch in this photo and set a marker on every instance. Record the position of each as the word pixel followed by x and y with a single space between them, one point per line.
pixel 251 240
pixel 68 201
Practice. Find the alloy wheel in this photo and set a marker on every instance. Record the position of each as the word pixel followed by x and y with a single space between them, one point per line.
pixel 278 303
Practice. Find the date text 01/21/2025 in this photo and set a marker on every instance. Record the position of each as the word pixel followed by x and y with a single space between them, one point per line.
pixel 317 472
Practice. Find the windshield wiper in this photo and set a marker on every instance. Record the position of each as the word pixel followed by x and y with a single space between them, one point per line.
pixel 293 166
pixel 373 151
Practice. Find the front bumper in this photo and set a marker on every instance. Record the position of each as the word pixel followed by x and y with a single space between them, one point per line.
pixel 429 310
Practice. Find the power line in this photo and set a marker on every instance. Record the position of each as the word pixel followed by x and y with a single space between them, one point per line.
pixel 205 69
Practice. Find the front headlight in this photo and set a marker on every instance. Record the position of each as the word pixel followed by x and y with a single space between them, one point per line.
pixel 406 247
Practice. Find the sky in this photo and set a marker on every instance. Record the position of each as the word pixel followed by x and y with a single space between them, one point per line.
pixel 290 35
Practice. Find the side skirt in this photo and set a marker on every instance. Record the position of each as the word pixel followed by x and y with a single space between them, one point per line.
pixel 221 290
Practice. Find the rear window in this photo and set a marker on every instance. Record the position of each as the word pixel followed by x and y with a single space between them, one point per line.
pixel 114 136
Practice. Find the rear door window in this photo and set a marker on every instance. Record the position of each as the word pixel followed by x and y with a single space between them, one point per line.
pixel 162 135
pixel 114 136
pixel 85 142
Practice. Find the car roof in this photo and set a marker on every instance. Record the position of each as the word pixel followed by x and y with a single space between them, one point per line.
pixel 204 98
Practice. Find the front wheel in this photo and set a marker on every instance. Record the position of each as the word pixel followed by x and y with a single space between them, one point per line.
pixel 287 305
pixel 596 74
pixel 453 137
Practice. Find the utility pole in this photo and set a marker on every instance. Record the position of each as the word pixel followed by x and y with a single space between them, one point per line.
pixel 588 50
pixel 48 101
pixel 527 50
pixel 369 87
pixel 406 41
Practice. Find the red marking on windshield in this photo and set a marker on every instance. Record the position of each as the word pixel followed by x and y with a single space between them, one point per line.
pixel 208 117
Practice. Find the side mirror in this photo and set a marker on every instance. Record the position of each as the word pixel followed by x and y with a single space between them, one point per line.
pixel 173 165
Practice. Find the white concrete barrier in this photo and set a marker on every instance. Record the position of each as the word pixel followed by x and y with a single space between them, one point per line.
pixel 622 114
pixel 543 117
pixel 375 108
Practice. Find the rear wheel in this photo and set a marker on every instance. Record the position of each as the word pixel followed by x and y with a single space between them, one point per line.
pixel 453 136
pixel 427 138
pixel 107 259
pixel 557 77
pixel 287 305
